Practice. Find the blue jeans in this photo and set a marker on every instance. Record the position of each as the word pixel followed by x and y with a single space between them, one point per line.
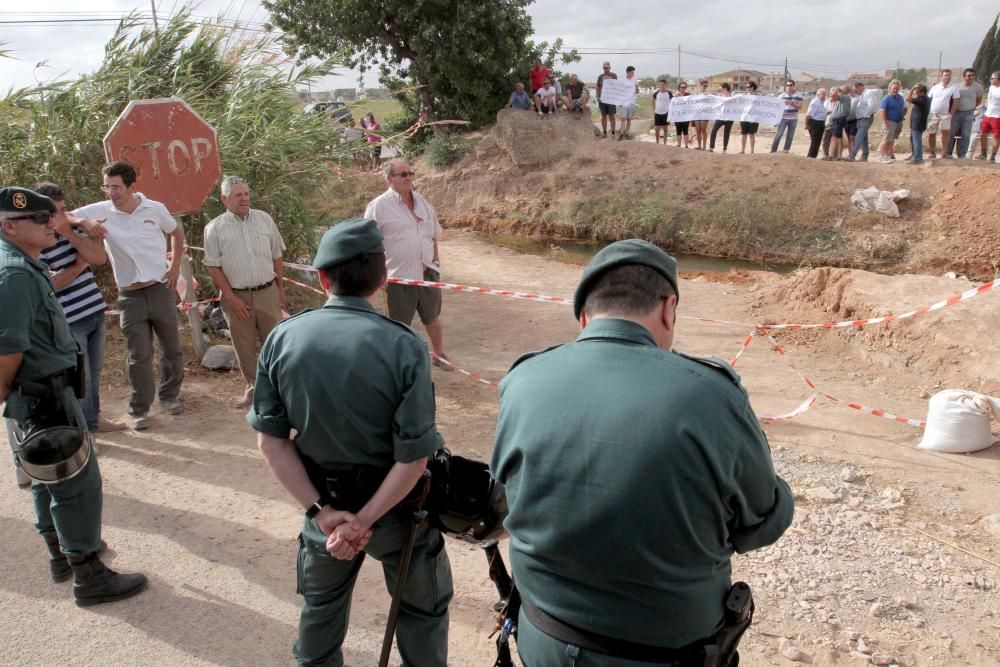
pixel 89 334
pixel 861 138
pixel 784 124
pixel 917 141
pixel 961 124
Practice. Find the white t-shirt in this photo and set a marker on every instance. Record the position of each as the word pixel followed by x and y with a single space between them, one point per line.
pixel 545 93
pixel 136 243
pixel 662 98
pixel 993 102
pixel 941 97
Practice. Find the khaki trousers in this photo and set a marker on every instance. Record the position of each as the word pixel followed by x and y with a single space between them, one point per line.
pixel 265 313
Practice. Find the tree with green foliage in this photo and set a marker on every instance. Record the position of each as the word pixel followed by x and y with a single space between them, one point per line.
pixel 988 57
pixel 460 57
pixel 238 83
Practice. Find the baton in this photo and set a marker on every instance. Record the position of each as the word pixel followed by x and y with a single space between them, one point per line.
pixel 419 514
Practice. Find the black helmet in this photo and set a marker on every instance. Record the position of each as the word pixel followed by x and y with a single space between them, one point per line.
pixel 465 499
pixel 52 454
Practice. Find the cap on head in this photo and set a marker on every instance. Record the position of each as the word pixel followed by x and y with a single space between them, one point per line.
pixel 346 240
pixel 623 253
pixel 22 200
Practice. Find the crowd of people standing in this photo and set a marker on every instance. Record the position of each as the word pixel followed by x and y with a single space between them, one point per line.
pixel 838 119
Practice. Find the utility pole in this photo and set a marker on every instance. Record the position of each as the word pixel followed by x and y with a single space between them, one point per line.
pixel 678 65
pixel 940 56
pixel 156 24
pixel 786 70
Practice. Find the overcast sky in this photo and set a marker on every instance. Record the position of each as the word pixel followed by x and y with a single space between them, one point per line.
pixel 817 36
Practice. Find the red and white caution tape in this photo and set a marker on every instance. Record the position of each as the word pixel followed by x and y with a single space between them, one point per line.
pixel 876 412
pixel 304 286
pixel 472 376
pixel 803 408
pixel 743 348
pixel 950 301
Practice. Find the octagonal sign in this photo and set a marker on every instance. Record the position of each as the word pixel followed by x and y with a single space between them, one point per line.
pixel 174 151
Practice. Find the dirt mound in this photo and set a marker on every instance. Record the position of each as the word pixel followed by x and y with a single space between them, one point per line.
pixel 533 140
pixel 955 346
pixel 968 212
pixel 550 177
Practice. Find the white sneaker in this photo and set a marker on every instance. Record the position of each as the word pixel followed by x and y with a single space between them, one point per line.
pixel 139 422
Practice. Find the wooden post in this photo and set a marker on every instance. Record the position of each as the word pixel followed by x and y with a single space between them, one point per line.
pixel 190 300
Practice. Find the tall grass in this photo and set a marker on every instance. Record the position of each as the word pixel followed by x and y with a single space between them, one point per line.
pixel 243 85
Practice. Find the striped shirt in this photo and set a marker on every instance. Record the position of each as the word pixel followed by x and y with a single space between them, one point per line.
pixel 408 237
pixel 82 297
pixel 791 113
pixel 245 249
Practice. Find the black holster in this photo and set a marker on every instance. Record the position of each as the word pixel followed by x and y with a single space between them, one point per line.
pixel 722 652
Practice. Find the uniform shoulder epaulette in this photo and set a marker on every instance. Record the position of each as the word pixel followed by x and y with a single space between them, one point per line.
pixel 717 364
pixel 292 317
pixel 529 355
pixel 406 327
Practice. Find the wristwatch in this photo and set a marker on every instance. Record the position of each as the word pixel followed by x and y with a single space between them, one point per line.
pixel 315 508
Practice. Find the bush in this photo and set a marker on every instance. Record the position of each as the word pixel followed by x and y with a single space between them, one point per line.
pixel 445 149
pixel 239 84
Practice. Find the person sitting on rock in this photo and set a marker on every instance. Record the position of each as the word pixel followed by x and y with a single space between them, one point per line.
pixel 545 98
pixel 519 99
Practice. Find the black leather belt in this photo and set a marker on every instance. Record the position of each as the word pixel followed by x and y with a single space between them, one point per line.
pixel 255 289
pixel 692 654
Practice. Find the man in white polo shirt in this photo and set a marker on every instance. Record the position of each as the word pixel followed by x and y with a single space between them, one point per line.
pixel 944 96
pixel 137 247
pixel 243 253
pixel 410 230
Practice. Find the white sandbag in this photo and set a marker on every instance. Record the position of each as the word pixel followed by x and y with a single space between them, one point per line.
pixel 959 421
pixel 880 201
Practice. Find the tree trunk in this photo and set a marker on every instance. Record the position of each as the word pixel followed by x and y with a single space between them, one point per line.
pixel 427 101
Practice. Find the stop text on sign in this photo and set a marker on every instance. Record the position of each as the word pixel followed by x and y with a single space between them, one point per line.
pixel 179 158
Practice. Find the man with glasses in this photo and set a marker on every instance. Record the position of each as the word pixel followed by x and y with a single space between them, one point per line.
pixel 970 96
pixel 545 97
pixel 38 361
pixel 790 117
pixel 137 247
pixel 411 231
pixel 70 260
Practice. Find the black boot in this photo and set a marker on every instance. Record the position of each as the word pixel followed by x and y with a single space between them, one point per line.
pixel 95 583
pixel 58 563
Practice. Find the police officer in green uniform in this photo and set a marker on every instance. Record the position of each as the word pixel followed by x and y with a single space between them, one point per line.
pixel 633 473
pixel 356 389
pixel 38 356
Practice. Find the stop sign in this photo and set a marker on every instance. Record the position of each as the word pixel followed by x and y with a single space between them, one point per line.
pixel 173 149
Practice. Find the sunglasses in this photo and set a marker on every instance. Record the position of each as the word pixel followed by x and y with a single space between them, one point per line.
pixel 38 217
pixel 405 174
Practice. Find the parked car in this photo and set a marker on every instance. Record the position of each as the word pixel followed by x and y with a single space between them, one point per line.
pixel 338 110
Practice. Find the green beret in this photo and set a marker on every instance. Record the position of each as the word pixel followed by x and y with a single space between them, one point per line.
pixel 623 253
pixel 23 200
pixel 347 239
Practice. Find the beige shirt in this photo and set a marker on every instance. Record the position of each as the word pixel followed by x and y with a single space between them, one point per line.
pixel 245 249
pixel 408 237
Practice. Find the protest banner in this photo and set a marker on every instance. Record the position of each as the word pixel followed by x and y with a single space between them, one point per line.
pixel 618 91
pixel 750 108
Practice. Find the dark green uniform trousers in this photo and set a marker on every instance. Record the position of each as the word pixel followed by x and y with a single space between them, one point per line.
pixel 71 510
pixel 537 649
pixel 326 584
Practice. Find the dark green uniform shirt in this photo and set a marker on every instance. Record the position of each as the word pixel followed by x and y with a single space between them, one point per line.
pixel 633 473
pixel 354 385
pixel 31 322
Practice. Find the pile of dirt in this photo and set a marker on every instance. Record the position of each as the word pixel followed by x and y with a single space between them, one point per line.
pixel 952 347
pixel 549 177
pixel 534 140
pixel 968 213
